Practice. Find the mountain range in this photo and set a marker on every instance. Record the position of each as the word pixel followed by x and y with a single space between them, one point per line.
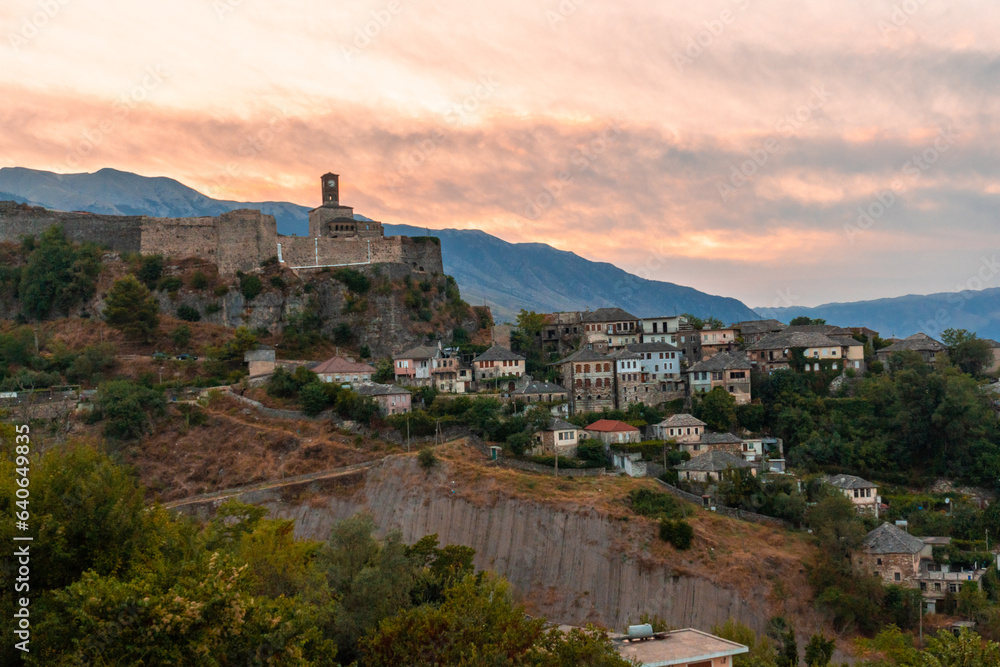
pixel 506 276
pixel 510 276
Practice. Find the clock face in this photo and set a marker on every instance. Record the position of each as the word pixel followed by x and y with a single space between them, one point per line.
pixel 332 184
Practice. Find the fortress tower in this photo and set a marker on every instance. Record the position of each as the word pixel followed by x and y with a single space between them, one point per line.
pixel 331 220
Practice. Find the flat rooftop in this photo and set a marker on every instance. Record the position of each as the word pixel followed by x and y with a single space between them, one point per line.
pixel 677 648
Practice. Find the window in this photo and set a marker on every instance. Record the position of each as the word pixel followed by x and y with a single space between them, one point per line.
pixel 878 561
pixel 586 368
pixel 896 576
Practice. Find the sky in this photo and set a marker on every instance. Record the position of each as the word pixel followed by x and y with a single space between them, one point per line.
pixel 784 153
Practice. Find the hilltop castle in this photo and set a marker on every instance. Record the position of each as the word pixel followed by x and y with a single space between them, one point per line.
pixel 239 240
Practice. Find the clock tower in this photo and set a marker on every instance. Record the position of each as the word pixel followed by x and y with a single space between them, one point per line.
pixel 331 189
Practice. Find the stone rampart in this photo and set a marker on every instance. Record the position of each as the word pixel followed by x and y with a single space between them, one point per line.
pixel 306 252
pixel 117 232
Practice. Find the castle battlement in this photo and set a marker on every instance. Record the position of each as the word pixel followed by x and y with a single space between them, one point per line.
pixel 238 240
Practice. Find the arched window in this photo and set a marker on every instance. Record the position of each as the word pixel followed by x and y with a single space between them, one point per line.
pixel 607 367
pixel 598 383
pixel 586 368
pixel 578 368
pixel 586 383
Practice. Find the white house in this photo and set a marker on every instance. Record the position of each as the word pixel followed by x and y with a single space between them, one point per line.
pixel 682 428
pixel 658 360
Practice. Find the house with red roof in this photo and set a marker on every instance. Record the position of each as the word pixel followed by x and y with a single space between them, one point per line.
pixel 344 371
pixel 612 431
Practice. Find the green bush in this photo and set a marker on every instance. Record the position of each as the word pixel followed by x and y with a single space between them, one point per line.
pixel 169 284
pixel 426 458
pixel 199 280
pixel 354 280
pixel 181 336
pixel 213 308
pixel 677 532
pixel 277 282
pixel 646 502
pixel 188 314
pixel 221 290
pixel 126 408
pixel 251 287
pixel 342 334
pixel 314 398
pixel 130 309
pixel 150 270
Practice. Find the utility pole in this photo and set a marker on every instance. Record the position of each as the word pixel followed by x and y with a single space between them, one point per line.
pixel 556 448
pixel 407 432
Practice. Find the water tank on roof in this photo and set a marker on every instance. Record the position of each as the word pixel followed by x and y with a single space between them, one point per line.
pixel 640 631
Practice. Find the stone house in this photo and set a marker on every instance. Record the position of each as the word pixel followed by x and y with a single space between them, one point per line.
pixel 930 350
pixel 663 329
pixel 559 436
pixel 529 390
pixel 752 331
pixel 714 341
pixel 814 346
pixel 260 360
pixel 658 361
pixel 413 367
pixel 709 467
pixel 681 428
pixel 630 463
pixel 589 377
pixel 713 442
pixel 392 400
pixel 612 431
pixel 628 377
pixel 346 371
pixel 731 371
pixel 861 492
pixel 497 363
pixel 678 648
pixel 891 553
pixel 562 332
pixel 994 363
pixel 448 375
pixel 611 327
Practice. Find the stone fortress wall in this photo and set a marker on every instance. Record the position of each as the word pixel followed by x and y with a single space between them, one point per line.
pixel 239 240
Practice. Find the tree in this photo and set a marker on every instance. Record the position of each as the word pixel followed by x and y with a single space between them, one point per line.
pixel 250 286
pixel 57 276
pixel 188 313
pixel 804 320
pixel 713 323
pixel 696 322
pixel 761 652
pixel 718 409
pixel 971 354
pixel 314 398
pixel 181 336
pixel 131 309
pixel 126 407
pixel 819 651
pixel 530 323
pixel 150 270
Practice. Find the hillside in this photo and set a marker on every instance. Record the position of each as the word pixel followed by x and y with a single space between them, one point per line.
pixel 902 316
pixel 507 276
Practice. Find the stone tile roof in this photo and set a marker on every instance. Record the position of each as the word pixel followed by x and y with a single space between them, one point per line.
pixel 583 354
pixel 723 361
pixel 796 337
pixel 918 342
pixel 498 353
pixel 556 424
pixel 610 426
pixel 683 419
pixel 376 389
pixel 652 347
pixel 888 539
pixel 341 365
pixel 759 326
pixel 608 315
pixel 849 482
pixel 678 647
pixel 720 439
pixel 420 352
pixel 714 461
pixel 624 353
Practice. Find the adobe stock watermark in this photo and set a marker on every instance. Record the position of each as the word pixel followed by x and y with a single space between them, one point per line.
pixel 455 116
pixel 93 137
pixel 705 38
pixel 900 16
pixel 757 157
pixel 911 172
pixel 223 7
pixel 253 145
pixel 33 24
pixel 563 11
pixel 981 278
pixel 581 161
pixel 366 35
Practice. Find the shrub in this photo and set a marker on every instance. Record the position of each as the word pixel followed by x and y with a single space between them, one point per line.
pixel 188 314
pixel 169 284
pixel 365 352
pixel 281 384
pixel 125 407
pixel 355 281
pixel 277 282
pixel 426 458
pixel 251 287
pixel 677 532
pixel 181 336
pixel 314 398
pixel 342 334
pixel 270 261
pixel 591 451
pixel 519 443
pixel 647 502
pixel 199 280
pixel 130 309
pixel 221 290
pixel 151 270
pixel 425 315
pixel 213 308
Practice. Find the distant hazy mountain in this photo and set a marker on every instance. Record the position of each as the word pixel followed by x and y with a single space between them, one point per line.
pixel 907 315
pixel 123 193
pixel 507 276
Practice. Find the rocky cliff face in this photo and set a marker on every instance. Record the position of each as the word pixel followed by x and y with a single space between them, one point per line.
pixel 572 565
